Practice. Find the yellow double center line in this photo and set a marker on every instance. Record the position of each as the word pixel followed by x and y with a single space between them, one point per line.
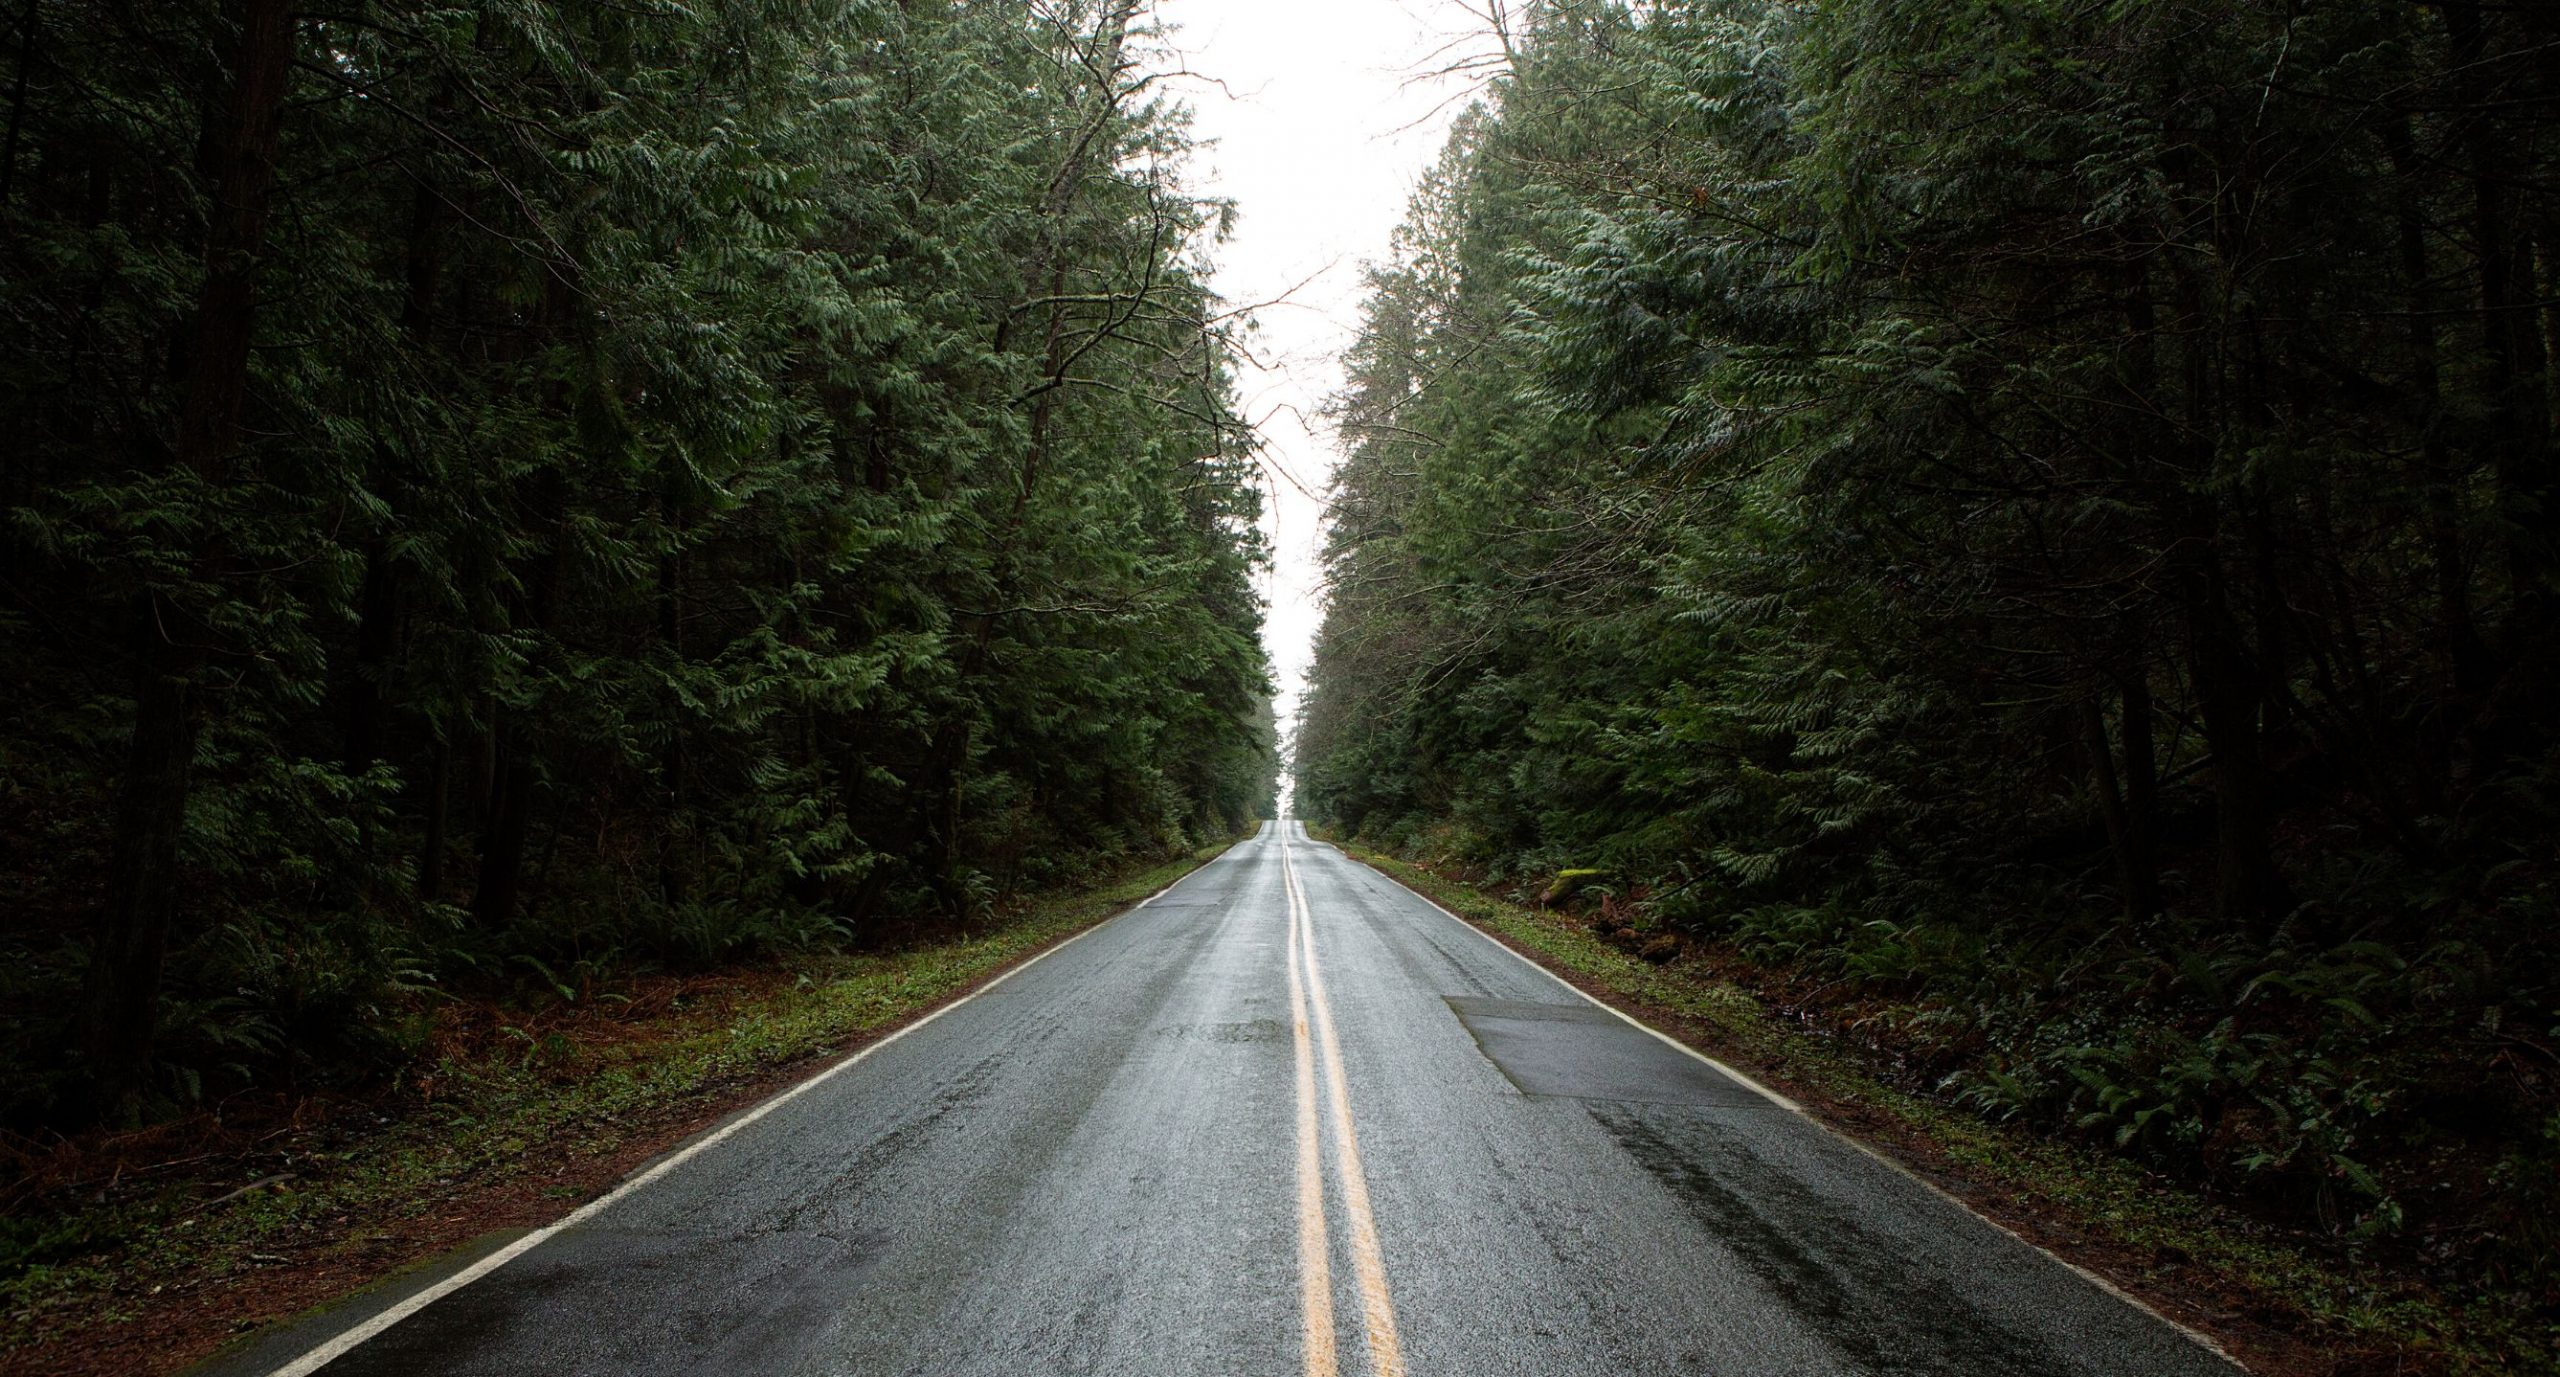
pixel 1315 1259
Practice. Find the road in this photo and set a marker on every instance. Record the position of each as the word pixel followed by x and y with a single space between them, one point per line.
pixel 1287 1118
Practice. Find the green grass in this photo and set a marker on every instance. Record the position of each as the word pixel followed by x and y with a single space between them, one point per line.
pixel 2339 1303
pixel 493 1121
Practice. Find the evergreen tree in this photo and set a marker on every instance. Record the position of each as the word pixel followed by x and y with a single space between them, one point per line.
pixel 525 480
pixel 2035 513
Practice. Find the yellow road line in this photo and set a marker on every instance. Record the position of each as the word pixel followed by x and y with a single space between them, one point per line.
pixel 1386 1349
pixel 1315 1259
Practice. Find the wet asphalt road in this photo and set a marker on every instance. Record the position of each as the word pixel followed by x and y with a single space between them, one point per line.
pixel 1174 1147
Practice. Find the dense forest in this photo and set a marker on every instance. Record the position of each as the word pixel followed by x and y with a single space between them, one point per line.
pixel 506 490
pixel 2027 524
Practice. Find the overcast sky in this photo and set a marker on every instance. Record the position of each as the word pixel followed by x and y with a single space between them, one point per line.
pixel 1319 134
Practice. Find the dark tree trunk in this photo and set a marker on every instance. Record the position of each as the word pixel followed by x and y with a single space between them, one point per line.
pixel 945 758
pixel 427 214
pixel 2510 334
pixel 2141 795
pixel 2127 799
pixel 671 884
pixel 120 1003
pixel 2546 241
pixel 123 983
pixel 2466 655
pixel 243 156
pixel 439 799
pixel 493 900
pixel 2246 888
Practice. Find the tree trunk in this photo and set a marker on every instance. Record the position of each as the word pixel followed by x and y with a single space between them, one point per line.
pixel 2546 240
pixel 439 798
pixel 2510 334
pixel 671 885
pixel 946 758
pixel 123 983
pixel 2139 852
pixel 2466 655
pixel 2111 809
pixel 493 900
pixel 243 157
pixel 2142 776
pixel 120 1003
pixel 2246 888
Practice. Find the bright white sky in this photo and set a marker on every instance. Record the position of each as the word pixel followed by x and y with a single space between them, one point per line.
pixel 1319 135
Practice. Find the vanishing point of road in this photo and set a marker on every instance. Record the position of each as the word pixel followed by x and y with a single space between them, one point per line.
pixel 1285 1118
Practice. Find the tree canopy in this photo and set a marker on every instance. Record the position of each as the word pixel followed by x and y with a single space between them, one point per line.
pixel 2036 515
pixel 505 486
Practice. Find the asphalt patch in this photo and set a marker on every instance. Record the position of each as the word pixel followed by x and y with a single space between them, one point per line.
pixel 1583 1052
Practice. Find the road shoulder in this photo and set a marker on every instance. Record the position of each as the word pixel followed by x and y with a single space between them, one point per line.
pixel 2270 1305
pixel 347 1216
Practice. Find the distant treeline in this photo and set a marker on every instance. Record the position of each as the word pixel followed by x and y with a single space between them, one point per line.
pixel 2033 519
pixel 497 491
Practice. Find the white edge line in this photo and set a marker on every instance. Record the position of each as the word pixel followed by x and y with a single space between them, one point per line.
pixel 339 1345
pixel 2203 1340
